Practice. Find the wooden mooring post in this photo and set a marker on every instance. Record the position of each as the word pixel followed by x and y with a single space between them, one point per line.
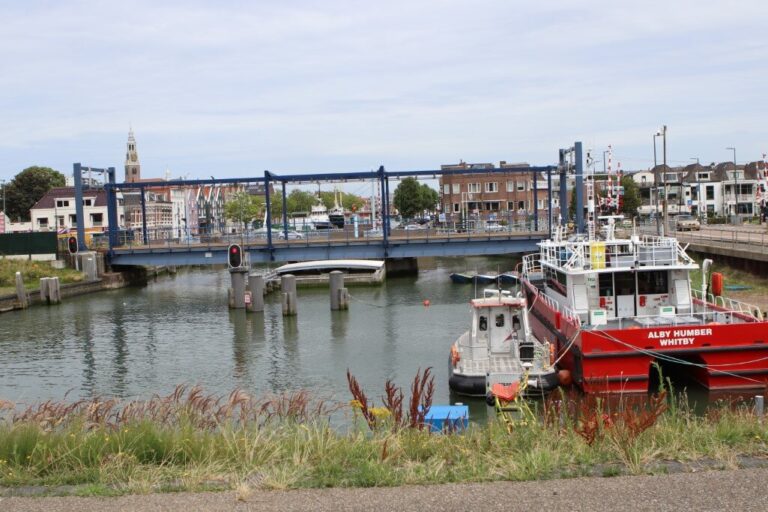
pixel 21 292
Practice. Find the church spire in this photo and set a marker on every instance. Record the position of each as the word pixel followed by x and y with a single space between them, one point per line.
pixel 132 165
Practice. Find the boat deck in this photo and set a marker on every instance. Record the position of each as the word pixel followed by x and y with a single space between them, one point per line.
pixel 498 363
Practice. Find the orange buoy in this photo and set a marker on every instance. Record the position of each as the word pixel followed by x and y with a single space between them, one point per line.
pixel 426 303
pixel 564 378
pixel 717 283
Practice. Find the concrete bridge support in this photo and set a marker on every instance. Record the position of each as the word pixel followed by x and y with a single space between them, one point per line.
pixel 339 294
pixel 237 292
pixel 288 287
pixel 402 266
pixel 256 287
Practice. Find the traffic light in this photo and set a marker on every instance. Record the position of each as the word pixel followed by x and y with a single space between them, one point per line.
pixel 72 244
pixel 235 256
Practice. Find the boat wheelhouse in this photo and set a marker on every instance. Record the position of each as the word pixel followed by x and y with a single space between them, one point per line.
pixel 617 306
pixel 499 347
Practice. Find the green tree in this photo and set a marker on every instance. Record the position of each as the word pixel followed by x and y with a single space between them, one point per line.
pixel 429 197
pixel 631 200
pixel 408 198
pixel 27 188
pixel 300 201
pixel 242 207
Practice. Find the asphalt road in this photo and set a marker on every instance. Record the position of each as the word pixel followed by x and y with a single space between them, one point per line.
pixel 742 490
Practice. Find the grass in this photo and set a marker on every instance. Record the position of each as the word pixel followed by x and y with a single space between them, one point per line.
pixel 192 441
pixel 31 272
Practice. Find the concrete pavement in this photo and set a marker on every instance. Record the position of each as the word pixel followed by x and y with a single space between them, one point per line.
pixel 743 490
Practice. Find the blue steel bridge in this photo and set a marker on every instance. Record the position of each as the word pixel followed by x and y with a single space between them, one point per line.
pixel 144 247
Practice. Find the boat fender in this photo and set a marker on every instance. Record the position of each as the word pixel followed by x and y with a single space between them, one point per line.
pixel 558 316
pixel 551 353
pixel 426 303
pixel 564 378
pixel 455 356
pixel 490 400
pixel 717 284
pixel 642 301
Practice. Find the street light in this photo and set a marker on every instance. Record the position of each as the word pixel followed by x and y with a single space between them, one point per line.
pixel 698 186
pixel 736 180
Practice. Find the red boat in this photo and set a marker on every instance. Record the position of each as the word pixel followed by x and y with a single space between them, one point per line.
pixel 614 307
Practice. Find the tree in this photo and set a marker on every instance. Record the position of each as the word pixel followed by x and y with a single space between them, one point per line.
pixel 242 207
pixel 300 201
pixel 631 200
pixel 429 197
pixel 27 188
pixel 408 198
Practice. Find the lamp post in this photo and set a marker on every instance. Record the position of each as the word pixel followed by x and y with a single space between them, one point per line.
pixel 736 182
pixel 656 187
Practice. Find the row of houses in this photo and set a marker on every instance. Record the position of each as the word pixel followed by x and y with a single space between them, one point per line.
pixel 722 189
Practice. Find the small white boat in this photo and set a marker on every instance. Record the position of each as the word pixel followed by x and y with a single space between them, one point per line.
pixel 356 271
pixel 500 348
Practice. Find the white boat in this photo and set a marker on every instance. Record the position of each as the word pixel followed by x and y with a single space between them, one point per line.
pixel 500 348
pixel 356 271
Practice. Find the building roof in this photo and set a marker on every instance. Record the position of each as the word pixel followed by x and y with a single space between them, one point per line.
pixel 49 199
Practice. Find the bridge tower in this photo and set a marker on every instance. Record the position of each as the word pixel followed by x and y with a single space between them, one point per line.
pixel 132 164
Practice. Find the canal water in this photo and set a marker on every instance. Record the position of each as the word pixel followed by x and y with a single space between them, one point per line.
pixel 135 342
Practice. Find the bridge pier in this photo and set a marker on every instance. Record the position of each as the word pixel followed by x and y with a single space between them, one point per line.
pixel 237 292
pixel 402 266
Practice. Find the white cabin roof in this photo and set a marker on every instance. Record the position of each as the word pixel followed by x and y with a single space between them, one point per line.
pixel 490 302
pixel 372 265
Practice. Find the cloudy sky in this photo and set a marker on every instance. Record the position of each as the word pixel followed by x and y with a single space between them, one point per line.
pixel 228 89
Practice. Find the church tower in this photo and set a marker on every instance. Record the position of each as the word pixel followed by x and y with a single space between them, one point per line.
pixel 132 165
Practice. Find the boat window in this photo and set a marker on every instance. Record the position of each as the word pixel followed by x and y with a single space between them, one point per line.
pixel 606 285
pixel 483 323
pixel 625 283
pixel 499 320
pixel 526 352
pixel 515 322
pixel 652 283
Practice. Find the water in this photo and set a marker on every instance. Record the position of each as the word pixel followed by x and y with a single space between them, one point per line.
pixel 135 342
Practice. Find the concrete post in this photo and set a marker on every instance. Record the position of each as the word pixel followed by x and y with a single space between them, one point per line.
pixel 237 275
pixel 343 299
pixel 336 281
pixel 89 266
pixel 256 287
pixel 21 293
pixel 288 287
pixel 759 407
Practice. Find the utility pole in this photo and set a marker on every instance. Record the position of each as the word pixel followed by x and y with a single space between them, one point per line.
pixel 736 183
pixel 664 172
pixel 656 212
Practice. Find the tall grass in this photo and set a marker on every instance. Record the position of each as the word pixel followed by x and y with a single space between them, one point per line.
pixel 190 440
pixel 31 272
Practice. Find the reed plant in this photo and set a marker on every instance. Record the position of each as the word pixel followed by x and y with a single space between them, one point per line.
pixel 190 440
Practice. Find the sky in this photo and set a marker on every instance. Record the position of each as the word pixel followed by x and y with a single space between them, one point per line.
pixel 231 88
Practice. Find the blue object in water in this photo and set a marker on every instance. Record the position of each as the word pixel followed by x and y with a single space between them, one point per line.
pixel 453 418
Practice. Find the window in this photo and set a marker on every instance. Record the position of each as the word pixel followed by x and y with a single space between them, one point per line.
pixel 520 186
pixel 97 219
pixel 491 186
pixel 446 189
pixel 710 192
pixel 62 203
pixel 511 205
pixel 474 188
pixel 457 188
pixel 456 208
pixel 521 205
pixel 510 186
pixel 42 222
pixel 605 284
pixel 73 220
pixel 492 206
pixel 703 176
pixel 483 323
pixel 87 202
pixel 624 283
pixel 652 283
pixel 500 320
pixel 643 180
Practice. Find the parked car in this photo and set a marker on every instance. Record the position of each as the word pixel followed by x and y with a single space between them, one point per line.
pixel 413 227
pixel 688 223
pixel 493 226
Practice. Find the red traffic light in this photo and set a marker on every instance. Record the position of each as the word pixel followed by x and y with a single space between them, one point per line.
pixel 235 256
pixel 72 244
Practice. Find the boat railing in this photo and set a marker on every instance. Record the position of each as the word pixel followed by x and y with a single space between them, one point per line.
pixel 701 318
pixel 531 264
pixel 728 304
pixel 565 311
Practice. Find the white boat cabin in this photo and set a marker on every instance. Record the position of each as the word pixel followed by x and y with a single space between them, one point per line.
pixel 499 324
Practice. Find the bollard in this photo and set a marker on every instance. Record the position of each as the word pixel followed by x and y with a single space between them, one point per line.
pixel 237 299
pixel 759 407
pixel 256 287
pixel 336 280
pixel 288 286
pixel 344 299
pixel 21 293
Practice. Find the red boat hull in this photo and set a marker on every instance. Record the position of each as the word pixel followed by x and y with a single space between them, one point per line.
pixel 718 356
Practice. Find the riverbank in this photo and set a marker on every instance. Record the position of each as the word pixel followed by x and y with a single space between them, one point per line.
pixel 188 441
pixel 742 489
